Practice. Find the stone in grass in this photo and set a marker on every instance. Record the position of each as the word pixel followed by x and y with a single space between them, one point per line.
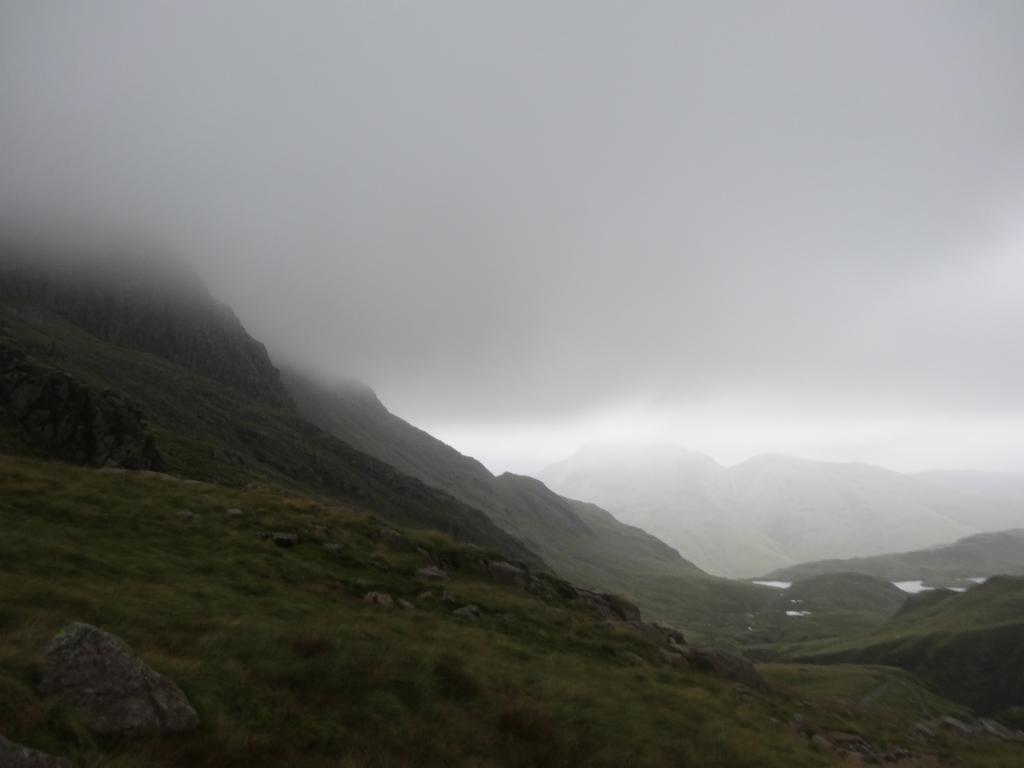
pixel 16 756
pixel 468 612
pixel 234 512
pixel 508 574
pixel 115 692
pixel 382 599
pixel 285 540
pixel 432 574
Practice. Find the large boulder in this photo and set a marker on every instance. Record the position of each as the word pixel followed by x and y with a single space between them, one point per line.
pixel 114 691
pixel 609 606
pixel 727 665
pixel 16 756
pixel 508 574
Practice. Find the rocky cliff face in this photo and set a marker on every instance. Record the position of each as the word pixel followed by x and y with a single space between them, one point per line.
pixel 50 410
pixel 154 306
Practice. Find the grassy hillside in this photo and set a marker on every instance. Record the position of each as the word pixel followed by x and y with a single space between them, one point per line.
pixel 210 431
pixel 580 541
pixel 285 662
pixel 821 607
pixel 969 645
pixel 984 554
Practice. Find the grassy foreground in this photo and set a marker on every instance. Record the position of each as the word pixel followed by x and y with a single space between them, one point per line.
pixel 287 665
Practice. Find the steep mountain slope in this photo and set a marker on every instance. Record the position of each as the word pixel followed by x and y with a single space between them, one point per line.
pixel 207 428
pixel 984 554
pixel 211 430
pixel 969 645
pixel 772 510
pixel 579 540
pixel 156 306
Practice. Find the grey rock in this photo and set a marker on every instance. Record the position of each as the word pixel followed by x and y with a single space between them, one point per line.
pixel 729 666
pixel 405 605
pixel 820 743
pixel 234 512
pixel 468 612
pixel 432 574
pixel 187 514
pixel 285 540
pixel 16 756
pixel 392 539
pixel 672 658
pixel 993 728
pixel 922 730
pixel 508 574
pixel 382 599
pixel 97 674
pixel 953 724
pixel 334 549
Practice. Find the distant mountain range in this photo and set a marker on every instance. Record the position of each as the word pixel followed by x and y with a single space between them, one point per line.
pixel 771 512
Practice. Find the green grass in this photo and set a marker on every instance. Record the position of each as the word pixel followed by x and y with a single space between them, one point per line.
pixel 285 663
pixel 969 645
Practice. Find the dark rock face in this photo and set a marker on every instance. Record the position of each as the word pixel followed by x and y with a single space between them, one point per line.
pixel 153 305
pixel 52 411
pixel 16 756
pixel 95 673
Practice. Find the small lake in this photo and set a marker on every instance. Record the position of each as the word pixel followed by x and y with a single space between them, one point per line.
pixel 913 587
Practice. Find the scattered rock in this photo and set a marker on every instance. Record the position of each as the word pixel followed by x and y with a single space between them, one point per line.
pixel 729 666
pixel 187 514
pixel 406 605
pixel 468 612
pixel 16 756
pixel 820 743
pixel 334 549
pixel 449 598
pixel 426 595
pixel 97 674
pixel 392 539
pixel 673 658
pixel 380 565
pixel 234 512
pixel 285 540
pixel 951 723
pixel 508 574
pixel 382 599
pixel 432 574
pixel 998 730
pixel 921 729
pixel 607 605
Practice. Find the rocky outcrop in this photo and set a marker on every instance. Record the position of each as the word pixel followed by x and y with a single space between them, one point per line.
pixel 614 607
pixel 115 692
pixel 16 756
pixel 154 305
pixel 727 665
pixel 508 574
pixel 52 411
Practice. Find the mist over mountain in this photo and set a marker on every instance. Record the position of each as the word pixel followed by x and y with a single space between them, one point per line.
pixel 296 298
pixel 772 511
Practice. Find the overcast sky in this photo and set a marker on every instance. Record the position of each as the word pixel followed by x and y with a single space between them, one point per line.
pixel 741 226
